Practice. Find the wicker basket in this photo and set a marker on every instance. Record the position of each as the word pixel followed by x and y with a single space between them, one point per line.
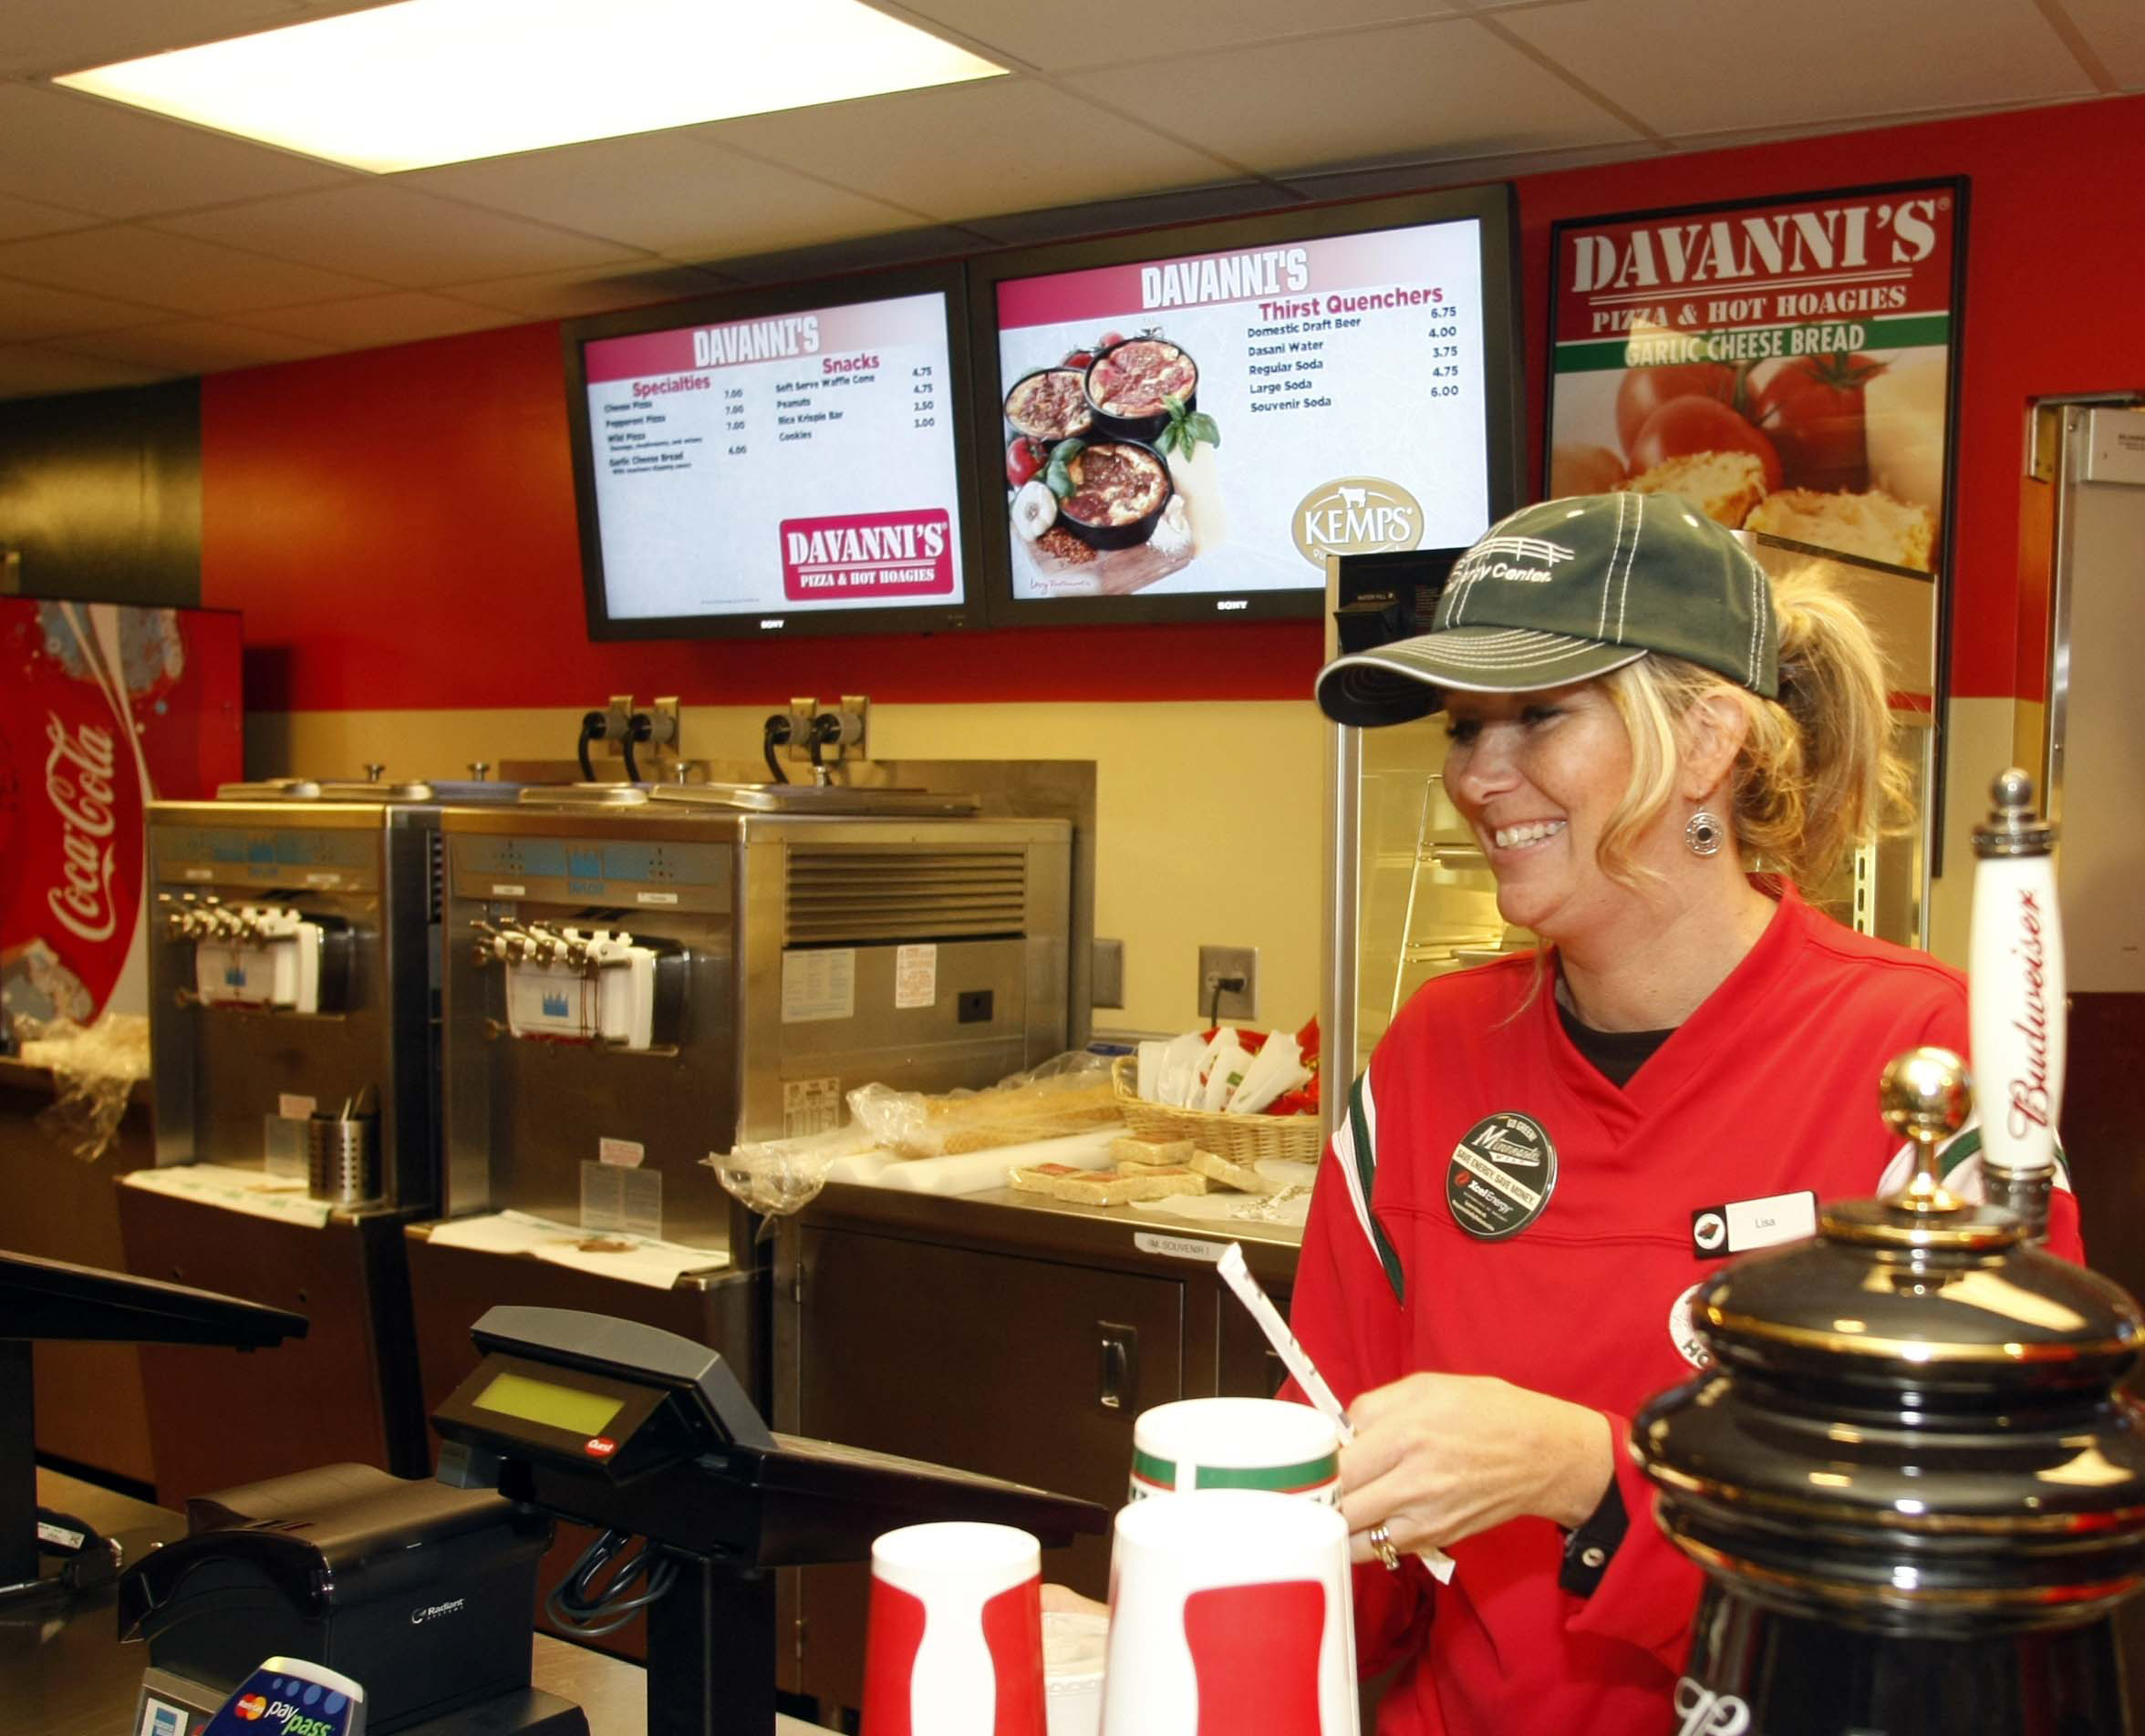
pixel 1244 1139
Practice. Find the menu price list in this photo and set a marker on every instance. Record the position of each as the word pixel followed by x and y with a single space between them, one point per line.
pixel 753 429
pixel 1325 396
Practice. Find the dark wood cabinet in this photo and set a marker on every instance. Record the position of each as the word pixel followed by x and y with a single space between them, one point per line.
pixel 997 1337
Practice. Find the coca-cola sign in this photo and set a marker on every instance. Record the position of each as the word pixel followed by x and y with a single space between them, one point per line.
pixel 106 707
pixel 79 778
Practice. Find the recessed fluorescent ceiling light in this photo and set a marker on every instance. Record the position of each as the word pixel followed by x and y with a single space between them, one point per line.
pixel 440 81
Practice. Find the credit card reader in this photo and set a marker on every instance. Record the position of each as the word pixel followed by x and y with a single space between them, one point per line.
pixel 639 1431
pixel 285 1697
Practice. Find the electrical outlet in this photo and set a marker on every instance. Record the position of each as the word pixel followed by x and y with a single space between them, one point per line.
pixel 618 723
pixel 1107 973
pixel 1217 964
pixel 802 712
pixel 855 721
pixel 665 738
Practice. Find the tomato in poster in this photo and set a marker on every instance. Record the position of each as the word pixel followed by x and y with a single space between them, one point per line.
pixel 1024 457
pixel 1685 426
pixel 1643 391
pixel 1810 407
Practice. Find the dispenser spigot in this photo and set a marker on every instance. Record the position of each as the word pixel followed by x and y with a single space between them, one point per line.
pixel 1926 1095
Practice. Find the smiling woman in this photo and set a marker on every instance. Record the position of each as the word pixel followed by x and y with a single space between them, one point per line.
pixel 1501 1247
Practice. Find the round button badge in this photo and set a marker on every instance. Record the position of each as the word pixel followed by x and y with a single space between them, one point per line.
pixel 1503 1171
pixel 1709 1230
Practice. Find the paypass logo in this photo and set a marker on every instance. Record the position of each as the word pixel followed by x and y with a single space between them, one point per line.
pixel 1355 515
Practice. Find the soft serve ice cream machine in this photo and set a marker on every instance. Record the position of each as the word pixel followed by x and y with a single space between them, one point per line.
pixel 636 979
pixel 293 986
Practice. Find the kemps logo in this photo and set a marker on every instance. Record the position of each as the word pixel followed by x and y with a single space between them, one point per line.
pixel 1355 515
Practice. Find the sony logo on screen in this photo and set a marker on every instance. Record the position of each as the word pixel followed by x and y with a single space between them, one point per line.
pixel 1776 244
pixel 775 623
pixel 1233 603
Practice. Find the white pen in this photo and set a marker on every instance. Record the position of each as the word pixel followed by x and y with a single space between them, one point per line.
pixel 1297 1361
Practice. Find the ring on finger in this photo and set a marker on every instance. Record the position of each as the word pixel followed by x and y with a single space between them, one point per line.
pixel 1381 1541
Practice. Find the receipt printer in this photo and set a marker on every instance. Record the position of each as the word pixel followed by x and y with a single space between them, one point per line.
pixel 422 1593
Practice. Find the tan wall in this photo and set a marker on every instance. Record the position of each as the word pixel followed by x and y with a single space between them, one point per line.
pixel 1206 816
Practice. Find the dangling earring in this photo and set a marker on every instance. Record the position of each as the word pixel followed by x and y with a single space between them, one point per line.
pixel 1705 832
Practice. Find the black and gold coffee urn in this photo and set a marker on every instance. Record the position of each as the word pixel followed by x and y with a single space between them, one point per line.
pixel 1917 1496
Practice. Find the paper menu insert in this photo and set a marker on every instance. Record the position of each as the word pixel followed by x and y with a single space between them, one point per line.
pixel 785 462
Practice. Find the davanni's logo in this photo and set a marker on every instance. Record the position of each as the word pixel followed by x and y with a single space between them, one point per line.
pixel 1355 515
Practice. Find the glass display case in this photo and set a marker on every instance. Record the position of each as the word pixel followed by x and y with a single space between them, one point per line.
pixel 1409 895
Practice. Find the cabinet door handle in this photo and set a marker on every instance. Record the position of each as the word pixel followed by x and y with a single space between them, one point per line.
pixel 1120 1366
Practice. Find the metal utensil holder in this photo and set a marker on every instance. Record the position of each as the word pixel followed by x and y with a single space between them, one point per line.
pixel 342 1159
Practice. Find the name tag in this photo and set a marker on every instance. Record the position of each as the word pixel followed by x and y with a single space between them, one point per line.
pixel 1740 1226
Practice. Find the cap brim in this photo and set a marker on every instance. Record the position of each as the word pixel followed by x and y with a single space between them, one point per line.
pixel 1407 679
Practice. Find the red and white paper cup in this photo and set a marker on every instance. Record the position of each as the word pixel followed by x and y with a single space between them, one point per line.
pixel 955 1644
pixel 1230 1615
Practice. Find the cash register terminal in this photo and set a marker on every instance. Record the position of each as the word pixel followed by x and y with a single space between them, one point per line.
pixel 640 1432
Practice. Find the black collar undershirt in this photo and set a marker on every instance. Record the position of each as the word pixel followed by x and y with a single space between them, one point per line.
pixel 1615 1055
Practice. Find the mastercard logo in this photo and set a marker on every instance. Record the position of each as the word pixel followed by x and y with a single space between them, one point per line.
pixel 253 1706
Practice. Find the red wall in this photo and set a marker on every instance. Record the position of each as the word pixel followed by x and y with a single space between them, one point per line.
pixel 399 526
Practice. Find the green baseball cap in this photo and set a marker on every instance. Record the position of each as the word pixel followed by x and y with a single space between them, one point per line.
pixel 1566 591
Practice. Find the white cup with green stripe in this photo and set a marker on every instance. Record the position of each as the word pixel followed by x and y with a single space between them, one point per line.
pixel 1236 1444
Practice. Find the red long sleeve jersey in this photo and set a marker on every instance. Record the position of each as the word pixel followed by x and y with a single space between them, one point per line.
pixel 1769 1090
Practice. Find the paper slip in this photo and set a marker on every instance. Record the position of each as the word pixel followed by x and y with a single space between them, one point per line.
pixel 638 1259
pixel 253 1192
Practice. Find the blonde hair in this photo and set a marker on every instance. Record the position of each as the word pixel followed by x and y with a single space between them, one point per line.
pixel 1818 773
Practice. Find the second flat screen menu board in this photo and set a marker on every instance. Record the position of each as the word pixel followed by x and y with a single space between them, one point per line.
pixel 1192 421
pixel 761 465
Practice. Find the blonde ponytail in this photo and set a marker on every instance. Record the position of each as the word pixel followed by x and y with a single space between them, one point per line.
pixel 1818 773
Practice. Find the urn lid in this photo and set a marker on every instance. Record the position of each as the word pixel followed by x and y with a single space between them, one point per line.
pixel 1910 1420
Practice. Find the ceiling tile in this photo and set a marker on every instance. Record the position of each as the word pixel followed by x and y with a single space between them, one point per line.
pixel 389 232
pixel 2114 31
pixel 191 346
pixel 1424 91
pixel 1108 31
pixel 95 156
pixel 29 373
pixel 570 294
pixel 370 321
pixel 1150 210
pixel 46 39
pixel 173 271
pixel 673 193
pixel 20 217
pixel 37 310
pixel 873 253
pixel 1838 59
pixel 966 150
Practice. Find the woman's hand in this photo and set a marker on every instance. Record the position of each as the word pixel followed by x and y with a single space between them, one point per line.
pixel 1439 1457
pixel 1063 1599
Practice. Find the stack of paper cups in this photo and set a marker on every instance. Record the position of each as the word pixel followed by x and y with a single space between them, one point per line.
pixel 1074 1644
pixel 955 1642
pixel 1229 1613
pixel 1236 1444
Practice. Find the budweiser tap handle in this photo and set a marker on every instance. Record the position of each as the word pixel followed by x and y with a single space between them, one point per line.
pixel 2017 1004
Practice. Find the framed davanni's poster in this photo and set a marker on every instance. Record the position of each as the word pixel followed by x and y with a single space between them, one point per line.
pixel 1789 364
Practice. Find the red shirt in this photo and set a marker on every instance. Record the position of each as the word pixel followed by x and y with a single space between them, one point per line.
pixel 1768 1090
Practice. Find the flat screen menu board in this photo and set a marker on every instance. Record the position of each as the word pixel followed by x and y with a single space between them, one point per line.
pixel 774 462
pixel 1190 420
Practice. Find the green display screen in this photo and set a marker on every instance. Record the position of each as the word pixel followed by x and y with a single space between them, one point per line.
pixel 556 1407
